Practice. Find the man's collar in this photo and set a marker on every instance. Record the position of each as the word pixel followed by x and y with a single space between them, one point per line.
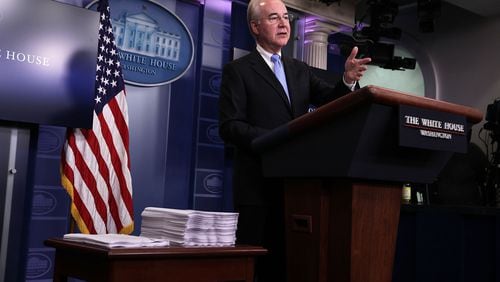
pixel 265 53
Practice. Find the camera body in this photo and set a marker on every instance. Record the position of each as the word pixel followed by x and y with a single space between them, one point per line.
pixel 493 116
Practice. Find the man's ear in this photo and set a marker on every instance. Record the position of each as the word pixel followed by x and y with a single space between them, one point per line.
pixel 254 27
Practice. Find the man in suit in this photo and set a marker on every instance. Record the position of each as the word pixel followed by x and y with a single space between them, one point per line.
pixel 252 103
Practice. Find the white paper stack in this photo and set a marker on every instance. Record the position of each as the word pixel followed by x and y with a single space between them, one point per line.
pixel 190 227
pixel 116 240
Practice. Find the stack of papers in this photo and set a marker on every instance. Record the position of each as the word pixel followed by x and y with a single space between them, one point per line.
pixel 116 240
pixel 190 227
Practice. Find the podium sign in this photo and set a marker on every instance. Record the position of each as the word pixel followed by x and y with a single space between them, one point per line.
pixel 434 130
pixel 48 54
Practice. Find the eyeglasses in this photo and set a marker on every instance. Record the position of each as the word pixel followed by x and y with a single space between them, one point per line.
pixel 275 18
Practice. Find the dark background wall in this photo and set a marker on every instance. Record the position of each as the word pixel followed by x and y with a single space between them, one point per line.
pixel 179 161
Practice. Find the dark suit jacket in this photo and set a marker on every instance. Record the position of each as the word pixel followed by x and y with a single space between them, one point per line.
pixel 253 102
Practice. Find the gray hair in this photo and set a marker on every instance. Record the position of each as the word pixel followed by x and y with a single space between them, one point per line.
pixel 253 12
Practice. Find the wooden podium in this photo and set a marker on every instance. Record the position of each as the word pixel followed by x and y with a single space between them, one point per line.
pixel 344 165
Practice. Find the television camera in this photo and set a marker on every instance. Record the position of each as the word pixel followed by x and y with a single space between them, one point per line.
pixel 381 15
pixel 491 189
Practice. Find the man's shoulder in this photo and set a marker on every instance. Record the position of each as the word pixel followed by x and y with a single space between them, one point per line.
pixel 244 62
pixel 244 59
pixel 294 62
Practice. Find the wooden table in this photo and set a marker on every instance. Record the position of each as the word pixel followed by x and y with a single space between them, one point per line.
pixel 168 264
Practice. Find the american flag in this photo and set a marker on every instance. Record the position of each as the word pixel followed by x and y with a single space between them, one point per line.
pixel 95 163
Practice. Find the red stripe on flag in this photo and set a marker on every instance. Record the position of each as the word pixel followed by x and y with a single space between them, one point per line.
pixel 121 124
pixel 87 174
pixel 116 163
pixel 84 214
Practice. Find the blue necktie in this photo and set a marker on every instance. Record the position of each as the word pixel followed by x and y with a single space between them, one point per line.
pixel 280 73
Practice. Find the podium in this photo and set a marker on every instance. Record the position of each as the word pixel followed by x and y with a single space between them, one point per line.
pixel 343 167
